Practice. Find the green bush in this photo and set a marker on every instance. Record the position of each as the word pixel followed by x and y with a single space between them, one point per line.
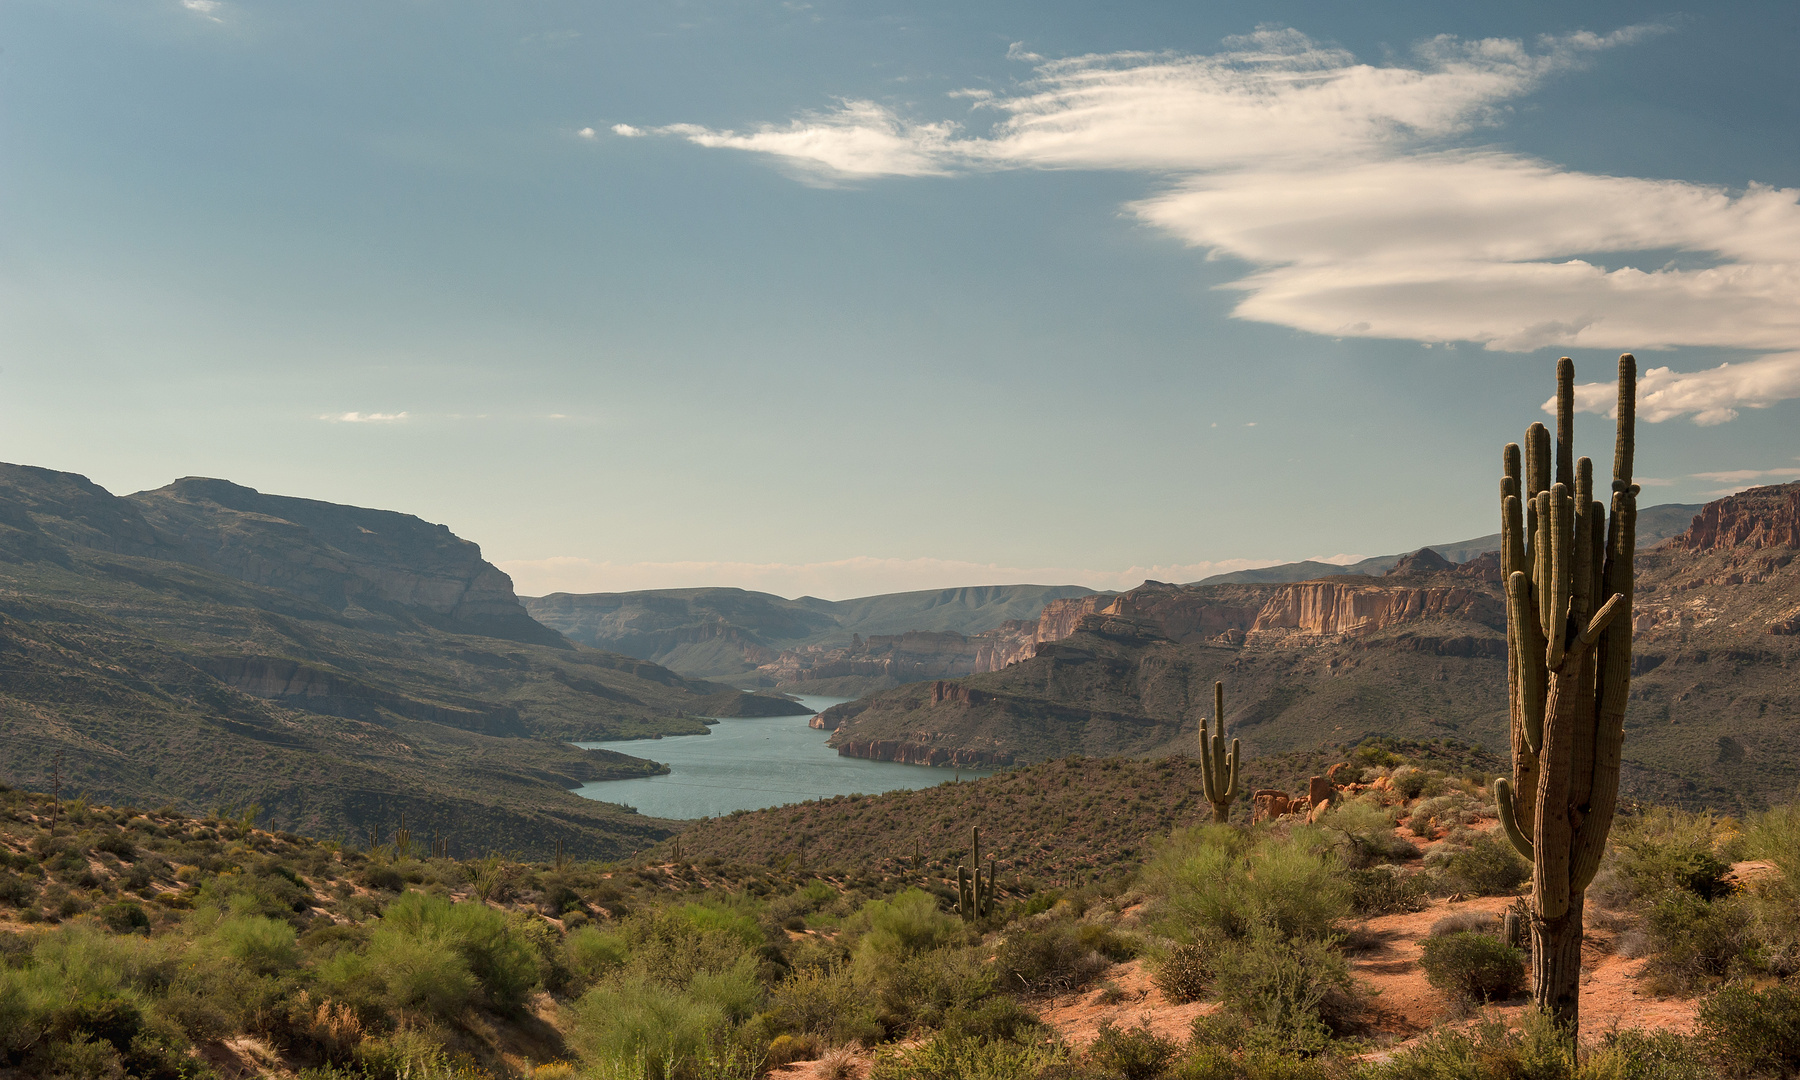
pixel 1488 1051
pixel 1049 954
pixel 1134 1054
pixel 502 960
pixel 1663 850
pixel 1699 942
pixel 1365 834
pixel 1751 1031
pixel 910 923
pixel 1489 867
pixel 1630 1054
pixel 826 1003
pixel 922 990
pixel 1215 882
pixel 951 1057
pixel 125 917
pixel 1471 967
pixel 1292 992
pixel 1384 891
pixel 1183 973
pixel 590 953
pixel 261 944
pixel 634 1023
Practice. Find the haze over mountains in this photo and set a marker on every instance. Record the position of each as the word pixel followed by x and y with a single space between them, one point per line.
pixel 1419 652
pixel 853 647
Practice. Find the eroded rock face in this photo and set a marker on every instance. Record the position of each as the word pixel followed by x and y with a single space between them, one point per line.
pixel 911 753
pixel 1761 517
pixel 1333 608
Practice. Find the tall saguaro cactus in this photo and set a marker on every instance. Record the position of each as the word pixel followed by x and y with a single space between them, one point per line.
pixel 974 899
pixel 1218 769
pixel 1567 568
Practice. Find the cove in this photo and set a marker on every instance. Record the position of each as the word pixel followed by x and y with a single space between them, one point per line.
pixel 749 763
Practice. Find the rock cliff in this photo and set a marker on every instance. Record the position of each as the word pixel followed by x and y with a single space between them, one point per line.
pixel 1762 517
pixel 342 557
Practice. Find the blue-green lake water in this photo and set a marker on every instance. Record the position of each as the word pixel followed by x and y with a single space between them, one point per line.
pixel 748 763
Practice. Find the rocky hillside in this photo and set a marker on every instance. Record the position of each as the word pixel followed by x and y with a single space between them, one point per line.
pixel 731 634
pixel 206 645
pixel 1418 652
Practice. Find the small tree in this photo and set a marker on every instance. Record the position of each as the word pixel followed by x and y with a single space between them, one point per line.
pixel 1567 569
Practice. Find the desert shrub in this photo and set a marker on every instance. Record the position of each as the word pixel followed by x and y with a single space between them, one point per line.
pixel 1134 1054
pixel 1663 850
pixel 1365 834
pixel 1049 954
pixel 1215 883
pixel 1291 991
pixel 996 1017
pixel 401 972
pixel 501 958
pixel 896 929
pixel 1409 781
pixel 825 1004
pixel 1697 941
pixel 125 917
pixel 922 990
pixel 1384 891
pixel 590 953
pixel 1489 867
pixel 1630 1054
pixel 1753 1031
pixel 1183 973
pixel 952 1057
pixel 635 1023
pixel 16 890
pixel 262 945
pixel 381 876
pixel 1487 1051
pixel 1469 967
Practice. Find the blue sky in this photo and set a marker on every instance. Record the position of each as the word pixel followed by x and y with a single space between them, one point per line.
pixel 838 299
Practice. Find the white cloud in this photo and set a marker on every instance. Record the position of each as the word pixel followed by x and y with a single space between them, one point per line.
pixel 587 133
pixel 836 580
pixel 204 8
pixel 364 418
pixel 624 129
pixel 1712 397
pixel 1740 476
pixel 1350 192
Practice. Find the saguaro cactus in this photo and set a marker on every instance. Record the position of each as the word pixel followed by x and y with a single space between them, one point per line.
pixel 1218 769
pixel 1567 568
pixel 974 898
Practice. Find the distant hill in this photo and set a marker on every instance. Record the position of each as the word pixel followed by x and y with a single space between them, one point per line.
pixel 727 633
pixel 1714 717
pixel 1655 524
pixel 206 645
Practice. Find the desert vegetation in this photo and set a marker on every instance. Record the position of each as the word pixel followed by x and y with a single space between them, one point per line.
pixel 158 945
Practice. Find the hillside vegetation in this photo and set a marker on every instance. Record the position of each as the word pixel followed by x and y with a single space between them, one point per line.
pixel 156 945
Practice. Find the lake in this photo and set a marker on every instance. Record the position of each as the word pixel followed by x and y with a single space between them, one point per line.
pixel 748 763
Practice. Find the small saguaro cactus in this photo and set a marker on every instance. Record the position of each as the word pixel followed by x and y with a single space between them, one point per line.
pixel 1218 769
pixel 1567 570
pixel 974 898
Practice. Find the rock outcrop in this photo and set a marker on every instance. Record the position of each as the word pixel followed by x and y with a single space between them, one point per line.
pixel 1335 608
pixel 911 753
pixel 1762 517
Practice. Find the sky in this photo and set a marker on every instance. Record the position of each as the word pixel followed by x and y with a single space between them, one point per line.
pixel 839 299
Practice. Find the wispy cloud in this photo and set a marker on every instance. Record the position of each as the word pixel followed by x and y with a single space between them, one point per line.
pixel 365 417
pixel 206 8
pixel 835 580
pixel 1364 208
pixel 1741 476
